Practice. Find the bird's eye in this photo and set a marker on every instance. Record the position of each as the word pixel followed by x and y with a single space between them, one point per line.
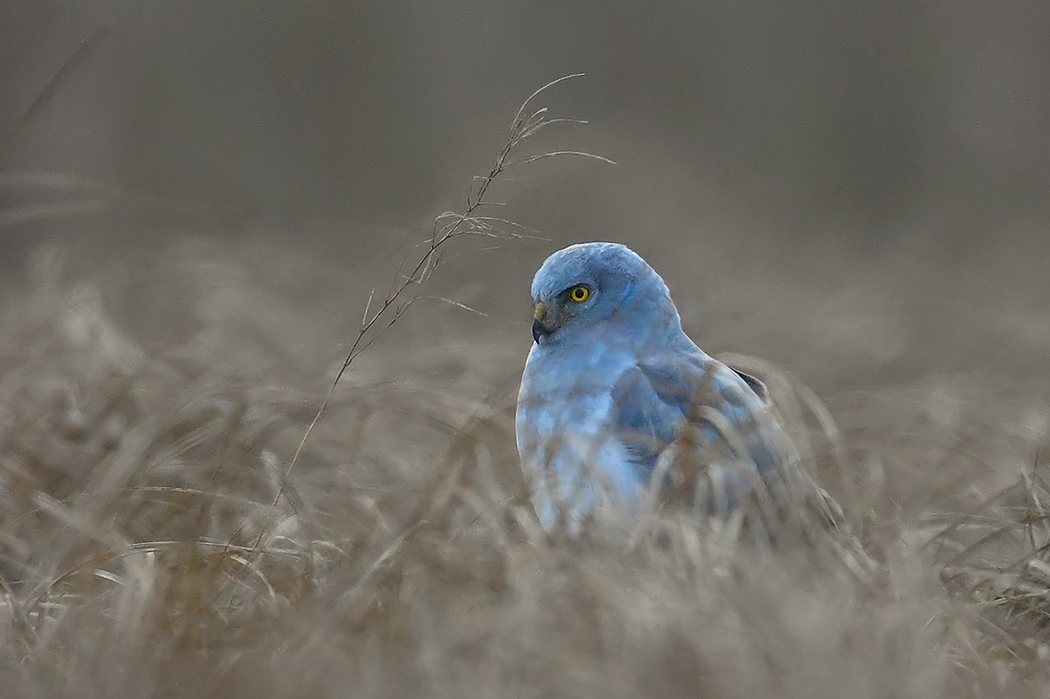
pixel 580 293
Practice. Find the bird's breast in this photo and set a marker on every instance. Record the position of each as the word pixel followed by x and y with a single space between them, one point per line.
pixel 564 429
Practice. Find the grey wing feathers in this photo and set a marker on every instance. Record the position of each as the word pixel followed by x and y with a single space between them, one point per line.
pixel 723 420
pixel 649 407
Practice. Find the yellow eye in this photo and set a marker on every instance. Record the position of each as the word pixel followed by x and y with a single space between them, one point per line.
pixel 579 294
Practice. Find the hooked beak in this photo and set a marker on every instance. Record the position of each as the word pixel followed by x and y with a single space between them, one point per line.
pixel 540 327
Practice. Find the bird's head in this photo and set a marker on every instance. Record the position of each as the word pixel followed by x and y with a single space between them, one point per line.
pixel 595 284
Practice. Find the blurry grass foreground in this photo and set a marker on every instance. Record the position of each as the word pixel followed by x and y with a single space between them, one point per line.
pixel 401 559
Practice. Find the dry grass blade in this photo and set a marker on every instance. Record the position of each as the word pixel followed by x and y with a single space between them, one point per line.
pixel 45 95
pixel 556 153
pixel 447 227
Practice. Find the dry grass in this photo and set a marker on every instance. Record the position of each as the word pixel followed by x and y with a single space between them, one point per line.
pixel 155 542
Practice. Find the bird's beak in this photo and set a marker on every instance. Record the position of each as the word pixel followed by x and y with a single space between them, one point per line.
pixel 540 328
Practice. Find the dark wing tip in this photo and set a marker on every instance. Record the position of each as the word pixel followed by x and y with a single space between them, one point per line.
pixel 754 384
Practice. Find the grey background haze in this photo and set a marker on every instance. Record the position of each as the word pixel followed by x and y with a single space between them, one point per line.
pixel 868 178
pixel 193 216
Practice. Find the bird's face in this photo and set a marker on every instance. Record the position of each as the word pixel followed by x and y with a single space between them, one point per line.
pixel 564 307
pixel 586 287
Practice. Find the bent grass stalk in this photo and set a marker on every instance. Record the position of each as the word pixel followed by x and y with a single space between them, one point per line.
pixel 448 225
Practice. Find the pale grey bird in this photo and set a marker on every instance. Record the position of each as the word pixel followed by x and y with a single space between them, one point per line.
pixel 616 399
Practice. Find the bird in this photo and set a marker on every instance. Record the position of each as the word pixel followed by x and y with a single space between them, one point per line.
pixel 617 402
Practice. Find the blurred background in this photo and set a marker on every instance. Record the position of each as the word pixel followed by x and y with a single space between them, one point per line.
pixel 856 191
pixel 197 199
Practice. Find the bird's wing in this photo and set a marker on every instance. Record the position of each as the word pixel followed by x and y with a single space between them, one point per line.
pixel 718 435
pixel 649 403
pixel 697 421
pixel 654 398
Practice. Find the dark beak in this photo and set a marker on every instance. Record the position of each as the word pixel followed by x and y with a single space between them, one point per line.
pixel 539 330
pixel 540 326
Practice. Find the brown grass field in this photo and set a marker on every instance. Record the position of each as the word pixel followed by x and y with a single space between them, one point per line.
pixel 196 502
pixel 156 539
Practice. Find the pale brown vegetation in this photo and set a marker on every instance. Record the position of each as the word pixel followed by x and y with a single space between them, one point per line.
pixel 155 541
